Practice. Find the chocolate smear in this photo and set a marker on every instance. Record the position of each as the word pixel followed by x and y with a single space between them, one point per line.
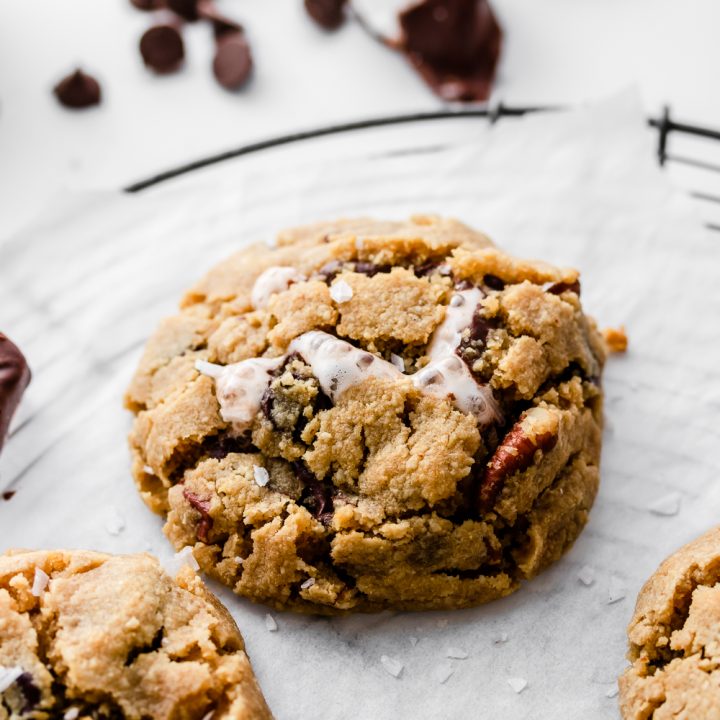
pixel 162 48
pixel 329 14
pixel 14 378
pixel 78 90
pixel 233 61
pixel 454 45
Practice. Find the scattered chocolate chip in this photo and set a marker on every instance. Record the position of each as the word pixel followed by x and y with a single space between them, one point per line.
pixel 493 282
pixel 162 48
pixel 454 45
pixel 317 497
pixel 148 4
pixel 8 494
pixel 202 505
pixel 31 692
pixel 561 287
pixel 186 9
pixel 329 14
pixel 370 269
pixel 78 90
pixel 222 25
pixel 233 62
pixel 514 454
pixel 14 378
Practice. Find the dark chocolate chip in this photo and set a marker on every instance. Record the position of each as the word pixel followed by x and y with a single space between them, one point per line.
pixel 222 25
pixel 317 496
pixel 202 505
pixel 454 45
pixel 162 48
pixel 426 268
pixel 233 61
pixel 329 14
pixel 148 4
pixel 186 9
pixel 8 494
pixel 493 282
pixel 78 90
pixel 14 378
pixel 561 287
pixel 30 691
pixel 218 446
pixel 370 269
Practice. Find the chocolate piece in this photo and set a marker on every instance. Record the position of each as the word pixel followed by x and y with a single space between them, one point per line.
pixel 14 378
pixel 78 90
pixel 233 62
pixel 148 4
pixel 493 282
pixel 162 48
pixel 317 497
pixel 186 9
pixel 454 45
pixel 329 14
pixel 219 446
pixel 560 287
pixel 514 454
pixel 30 691
pixel 222 25
pixel 8 495
pixel 370 269
pixel 203 507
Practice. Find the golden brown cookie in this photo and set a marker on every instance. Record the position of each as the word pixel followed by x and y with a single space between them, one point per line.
pixel 675 639
pixel 86 635
pixel 372 415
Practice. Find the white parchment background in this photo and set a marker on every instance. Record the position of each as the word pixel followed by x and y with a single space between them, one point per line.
pixel 81 290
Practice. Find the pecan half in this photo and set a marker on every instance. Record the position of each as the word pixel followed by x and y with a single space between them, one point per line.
pixel 203 507
pixel 514 454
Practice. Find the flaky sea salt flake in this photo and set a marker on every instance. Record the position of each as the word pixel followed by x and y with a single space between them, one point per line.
pixel 308 583
pixel 181 558
pixel 40 582
pixel 612 692
pixel 261 475
pixel 616 590
pixel 271 623
pixel 456 653
pixel 341 292
pixel 397 361
pixel 72 713
pixel 8 675
pixel 392 665
pixel 115 523
pixel 413 640
pixel 667 505
pixel 586 575
pixel 443 672
pixel 500 638
pixel 518 684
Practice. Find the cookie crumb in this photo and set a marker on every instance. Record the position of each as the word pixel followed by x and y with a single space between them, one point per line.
pixel 308 583
pixel 616 590
pixel 586 575
pixel 518 684
pixel 500 638
pixel 341 292
pixel 115 523
pixel 615 339
pixel 271 623
pixel 667 505
pixel 443 672
pixel 392 665
pixel 40 582
pixel 456 653
pixel 8 675
pixel 261 475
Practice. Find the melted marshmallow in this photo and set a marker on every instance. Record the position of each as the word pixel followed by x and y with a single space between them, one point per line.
pixel 338 366
pixel 240 387
pixel 274 280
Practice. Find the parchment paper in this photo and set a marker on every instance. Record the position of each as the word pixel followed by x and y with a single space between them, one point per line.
pixel 81 290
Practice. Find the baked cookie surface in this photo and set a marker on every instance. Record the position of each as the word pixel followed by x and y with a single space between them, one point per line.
pixel 675 638
pixel 372 415
pixel 87 635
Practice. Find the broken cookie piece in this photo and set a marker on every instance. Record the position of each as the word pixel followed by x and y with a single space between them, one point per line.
pixel 86 635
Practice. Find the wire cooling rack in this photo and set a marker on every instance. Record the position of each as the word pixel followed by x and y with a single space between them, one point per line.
pixel 690 152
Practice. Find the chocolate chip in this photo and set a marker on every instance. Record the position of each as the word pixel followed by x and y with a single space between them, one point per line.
pixel 14 378
pixel 31 692
pixel 202 505
pixel 317 496
pixel 493 282
pixel 148 4
pixel 454 45
pixel 78 90
pixel 222 25
pixel 480 327
pixel 186 9
pixel 162 48
pixel 370 269
pixel 8 495
pixel 561 287
pixel 329 14
pixel 233 62
pixel 219 446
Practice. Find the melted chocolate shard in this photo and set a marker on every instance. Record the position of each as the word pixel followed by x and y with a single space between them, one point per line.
pixel 328 14
pixel 454 45
pixel 561 287
pixel 493 282
pixel 14 378
pixel 78 90
pixel 30 691
pixel 218 446
pixel 317 497
pixel 202 505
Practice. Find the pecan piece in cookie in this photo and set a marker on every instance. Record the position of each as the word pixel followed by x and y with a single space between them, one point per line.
pixel 515 453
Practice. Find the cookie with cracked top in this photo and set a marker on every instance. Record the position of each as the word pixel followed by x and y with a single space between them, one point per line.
pixel 86 635
pixel 674 638
pixel 372 415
